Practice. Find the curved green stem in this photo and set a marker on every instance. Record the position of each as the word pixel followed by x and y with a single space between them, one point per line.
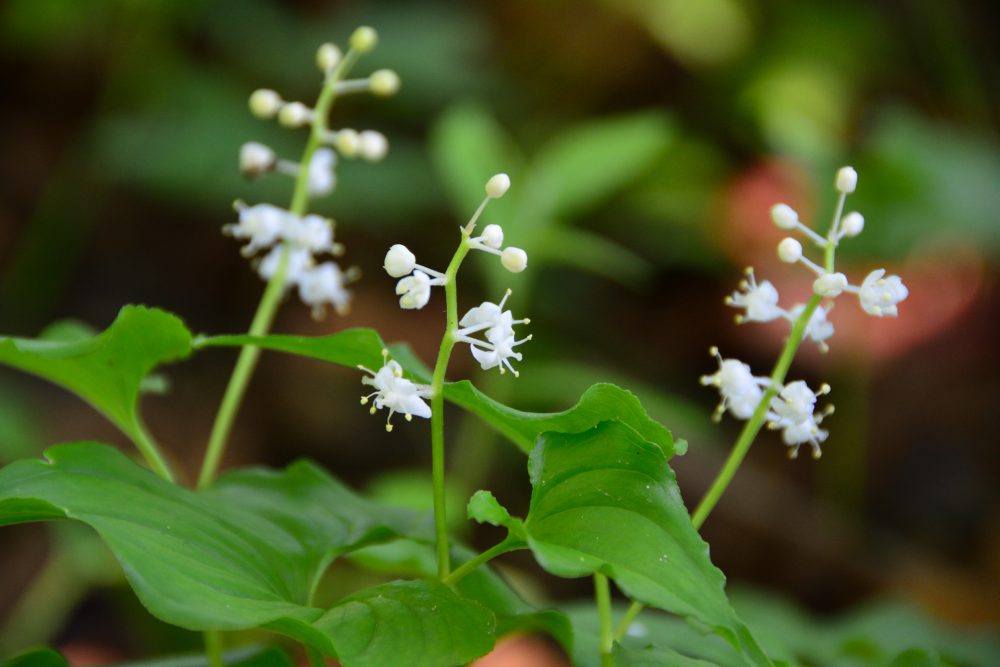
pixel 268 308
pixel 507 545
pixel 437 404
pixel 627 619
pixel 602 591
pixel 151 452
pixel 213 648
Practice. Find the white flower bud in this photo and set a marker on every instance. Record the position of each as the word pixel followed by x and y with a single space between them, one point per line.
pixel 399 261
pixel 372 145
pixel 789 250
pixel 294 114
pixel 852 224
pixel 364 39
pixel 847 180
pixel 328 57
pixel 784 216
pixel 830 284
pixel 348 143
pixel 497 186
pixel 383 82
pixel 492 236
pixel 256 159
pixel 265 103
pixel 514 260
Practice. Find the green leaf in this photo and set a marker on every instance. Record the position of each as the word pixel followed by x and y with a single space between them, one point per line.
pixel 245 553
pixel 42 657
pixel 353 347
pixel 106 369
pixel 419 623
pixel 591 162
pixel 654 656
pixel 606 501
pixel 485 508
pixel 592 253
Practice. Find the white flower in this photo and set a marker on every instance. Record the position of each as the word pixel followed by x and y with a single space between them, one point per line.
pixel 321 177
pixel 328 56
pixel 372 145
pixel 852 224
pixel 789 250
pixel 265 103
pixel 323 285
pixel 395 392
pixel 414 290
pixel 262 224
pixel 295 114
pixel 300 260
pixel 498 348
pixel 363 39
pixel 383 82
pixel 760 300
pixel 784 216
pixel 313 232
pixel 514 259
pixel 497 186
pixel 818 329
pixel 741 391
pixel 879 295
pixel 808 431
pixel 492 236
pixel 847 180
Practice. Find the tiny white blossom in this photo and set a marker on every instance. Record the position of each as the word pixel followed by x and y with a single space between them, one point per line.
pixel 321 176
pixel 313 232
pixel 795 403
pixel 741 391
pixel 261 224
pixel 323 285
pixel 492 236
pixel 363 39
pixel 497 186
pixel 328 56
pixel 808 431
pixel 265 103
pixel 847 180
pixel 784 216
pixel 852 224
pixel 760 300
pixel 383 82
pixel 498 348
pixel 789 250
pixel 879 295
pixel 395 392
pixel 300 260
pixel 294 114
pixel 372 145
pixel 414 290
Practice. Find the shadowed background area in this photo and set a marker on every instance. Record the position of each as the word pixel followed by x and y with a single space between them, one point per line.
pixel 646 141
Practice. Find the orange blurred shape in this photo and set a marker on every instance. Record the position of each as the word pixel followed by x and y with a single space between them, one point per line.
pixel 522 651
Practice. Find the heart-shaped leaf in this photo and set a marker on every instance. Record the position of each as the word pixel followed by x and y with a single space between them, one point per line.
pixel 243 554
pixel 606 501
pixel 354 347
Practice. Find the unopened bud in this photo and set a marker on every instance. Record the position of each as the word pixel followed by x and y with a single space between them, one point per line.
pixel 514 260
pixel 497 186
pixel 789 250
pixel 265 103
pixel 383 82
pixel 347 143
pixel 294 114
pixel 847 180
pixel 256 159
pixel 852 224
pixel 399 261
pixel 328 57
pixel 364 39
pixel 372 145
pixel 493 236
pixel 784 216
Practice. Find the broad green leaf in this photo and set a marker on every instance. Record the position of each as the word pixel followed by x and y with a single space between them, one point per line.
pixel 107 369
pixel 271 656
pixel 42 657
pixel 654 656
pixel 353 347
pixel 591 253
pixel 605 500
pixel 245 553
pixel 592 161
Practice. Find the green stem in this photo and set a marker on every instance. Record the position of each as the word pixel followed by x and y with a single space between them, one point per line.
pixel 626 622
pixel 268 308
pixel 507 545
pixel 602 591
pixel 213 648
pixel 437 404
pixel 756 421
pixel 151 452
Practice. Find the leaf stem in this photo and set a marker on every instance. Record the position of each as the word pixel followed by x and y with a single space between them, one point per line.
pixel 151 452
pixel 507 545
pixel 437 403
pixel 213 648
pixel 602 591
pixel 271 299
pixel 627 619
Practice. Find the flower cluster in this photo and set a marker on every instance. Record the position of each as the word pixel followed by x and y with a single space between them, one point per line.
pixel 792 408
pixel 295 240
pixel 395 392
pixel 498 324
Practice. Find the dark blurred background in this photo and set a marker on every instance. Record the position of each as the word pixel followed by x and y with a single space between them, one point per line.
pixel 646 141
